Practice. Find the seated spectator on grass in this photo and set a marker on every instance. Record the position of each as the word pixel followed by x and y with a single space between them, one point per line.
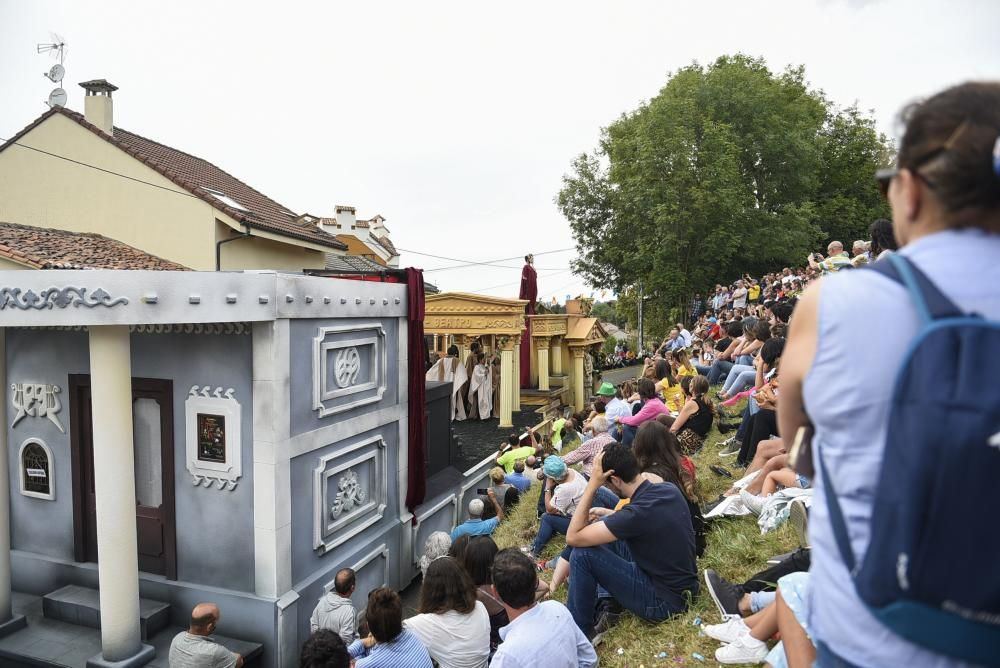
pixel 478 563
pixel 724 360
pixel 643 555
pixel 745 640
pixel 695 419
pixel 324 649
pixel 505 492
pixel 520 481
pixel 883 241
pixel 680 364
pixel 592 447
pixel 388 644
pixel 562 492
pixel 539 634
pixel 436 546
pixel 668 386
pixel 514 451
pixel 335 610
pixel 476 525
pixel 451 623
pixel 651 407
pixel 658 453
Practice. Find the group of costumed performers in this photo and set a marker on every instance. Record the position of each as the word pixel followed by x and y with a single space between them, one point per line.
pixel 475 384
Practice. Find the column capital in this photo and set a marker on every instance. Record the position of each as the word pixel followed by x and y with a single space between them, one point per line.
pixel 507 342
pixel 556 341
pixel 578 352
pixel 542 343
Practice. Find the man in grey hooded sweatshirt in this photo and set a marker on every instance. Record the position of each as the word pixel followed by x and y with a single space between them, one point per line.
pixel 334 611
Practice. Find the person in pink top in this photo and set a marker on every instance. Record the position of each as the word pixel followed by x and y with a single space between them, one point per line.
pixel 652 406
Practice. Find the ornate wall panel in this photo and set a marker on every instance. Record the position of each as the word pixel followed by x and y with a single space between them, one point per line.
pixel 349 367
pixel 350 490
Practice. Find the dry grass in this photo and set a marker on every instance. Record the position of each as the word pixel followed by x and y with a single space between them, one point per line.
pixel 735 549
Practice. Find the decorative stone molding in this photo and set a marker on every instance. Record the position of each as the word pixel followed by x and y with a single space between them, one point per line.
pixel 242 328
pixel 213 422
pixel 36 400
pixel 344 502
pixel 348 365
pixel 57 297
pixel 37 472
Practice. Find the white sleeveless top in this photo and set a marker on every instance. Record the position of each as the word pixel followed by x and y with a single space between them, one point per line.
pixel 865 324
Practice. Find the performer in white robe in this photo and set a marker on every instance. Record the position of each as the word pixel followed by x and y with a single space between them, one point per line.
pixel 481 390
pixel 450 368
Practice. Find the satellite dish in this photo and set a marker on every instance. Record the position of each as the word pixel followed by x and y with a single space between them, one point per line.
pixel 56 74
pixel 57 98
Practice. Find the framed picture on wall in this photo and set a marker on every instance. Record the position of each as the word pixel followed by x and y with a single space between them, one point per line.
pixel 211 438
pixel 212 420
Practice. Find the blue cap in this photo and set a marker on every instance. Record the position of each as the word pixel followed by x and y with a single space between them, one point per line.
pixel 554 467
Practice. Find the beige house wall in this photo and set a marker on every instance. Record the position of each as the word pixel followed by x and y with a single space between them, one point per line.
pixel 167 221
pixel 254 252
pixel 7 264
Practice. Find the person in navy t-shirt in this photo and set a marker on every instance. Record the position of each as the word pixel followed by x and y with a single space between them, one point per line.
pixel 643 555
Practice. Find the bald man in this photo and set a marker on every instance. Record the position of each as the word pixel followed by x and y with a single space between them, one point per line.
pixel 836 261
pixel 195 649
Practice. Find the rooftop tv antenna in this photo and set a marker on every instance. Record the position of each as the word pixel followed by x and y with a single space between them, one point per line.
pixel 56 48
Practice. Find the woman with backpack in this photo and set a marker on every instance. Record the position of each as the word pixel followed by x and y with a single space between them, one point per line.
pixel 898 455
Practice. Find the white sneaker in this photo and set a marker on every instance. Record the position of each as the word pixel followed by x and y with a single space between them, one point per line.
pixel 727 631
pixel 744 649
pixel 754 503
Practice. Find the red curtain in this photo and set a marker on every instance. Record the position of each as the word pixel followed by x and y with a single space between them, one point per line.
pixel 416 483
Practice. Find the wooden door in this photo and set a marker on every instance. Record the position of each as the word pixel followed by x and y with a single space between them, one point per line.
pixel 153 445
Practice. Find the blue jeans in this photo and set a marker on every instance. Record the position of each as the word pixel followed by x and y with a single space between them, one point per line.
pixel 549 525
pixel 628 434
pixel 719 369
pixel 740 378
pixel 610 568
pixel 553 524
pixel 703 370
pixel 745 360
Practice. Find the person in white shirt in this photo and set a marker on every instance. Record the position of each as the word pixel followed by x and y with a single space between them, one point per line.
pixel 452 624
pixel 539 634
pixel 335 610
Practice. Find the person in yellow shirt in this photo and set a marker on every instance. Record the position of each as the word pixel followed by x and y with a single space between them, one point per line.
pixel 680 364
pixel 753 291
pixel 667 385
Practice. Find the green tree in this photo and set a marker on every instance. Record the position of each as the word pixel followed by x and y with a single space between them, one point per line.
pixel 729 169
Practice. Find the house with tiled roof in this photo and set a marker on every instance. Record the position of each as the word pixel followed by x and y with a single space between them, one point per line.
pixel 27 247
pixel 80 173
pixel 368 239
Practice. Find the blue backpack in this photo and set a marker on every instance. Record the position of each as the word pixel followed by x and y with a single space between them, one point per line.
pixel 932 569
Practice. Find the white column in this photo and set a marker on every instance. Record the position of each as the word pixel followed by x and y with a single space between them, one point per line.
pixel 114 490
pixel 507 381
pixel 516 403
pixel 556 355
pixel 543 364
pixel 5 609
pixel 578 396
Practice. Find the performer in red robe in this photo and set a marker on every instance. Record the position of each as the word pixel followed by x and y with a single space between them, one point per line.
pixel 529 291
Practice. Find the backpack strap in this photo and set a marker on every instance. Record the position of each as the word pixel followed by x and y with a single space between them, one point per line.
pixel 837 522
pixel 930 302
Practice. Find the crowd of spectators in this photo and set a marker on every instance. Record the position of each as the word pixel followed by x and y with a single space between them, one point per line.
pixel 619 479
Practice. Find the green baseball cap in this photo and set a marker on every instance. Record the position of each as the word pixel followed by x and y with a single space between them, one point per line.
pixel 607 390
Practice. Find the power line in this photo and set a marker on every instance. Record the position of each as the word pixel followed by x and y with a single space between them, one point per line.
pixel 501 285
pixel 489 263
pixel 464 262
pixel 101 169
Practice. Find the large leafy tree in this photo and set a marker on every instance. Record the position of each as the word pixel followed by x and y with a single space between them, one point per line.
pixel 729 169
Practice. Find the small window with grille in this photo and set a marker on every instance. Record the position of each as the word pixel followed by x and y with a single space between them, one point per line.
pixel 37 479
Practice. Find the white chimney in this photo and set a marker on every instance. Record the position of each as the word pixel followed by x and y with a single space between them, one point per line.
pixel 97 106
pixel 346 218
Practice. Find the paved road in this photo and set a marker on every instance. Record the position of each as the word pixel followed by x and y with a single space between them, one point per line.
pixel 616 376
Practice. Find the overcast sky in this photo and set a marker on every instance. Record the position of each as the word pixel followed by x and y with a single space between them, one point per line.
pixel 456 120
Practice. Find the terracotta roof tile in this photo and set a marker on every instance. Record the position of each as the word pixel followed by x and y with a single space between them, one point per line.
pixel 195 175
pixel 43 248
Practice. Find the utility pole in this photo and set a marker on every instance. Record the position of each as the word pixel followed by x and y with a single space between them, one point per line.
pixel 642 346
